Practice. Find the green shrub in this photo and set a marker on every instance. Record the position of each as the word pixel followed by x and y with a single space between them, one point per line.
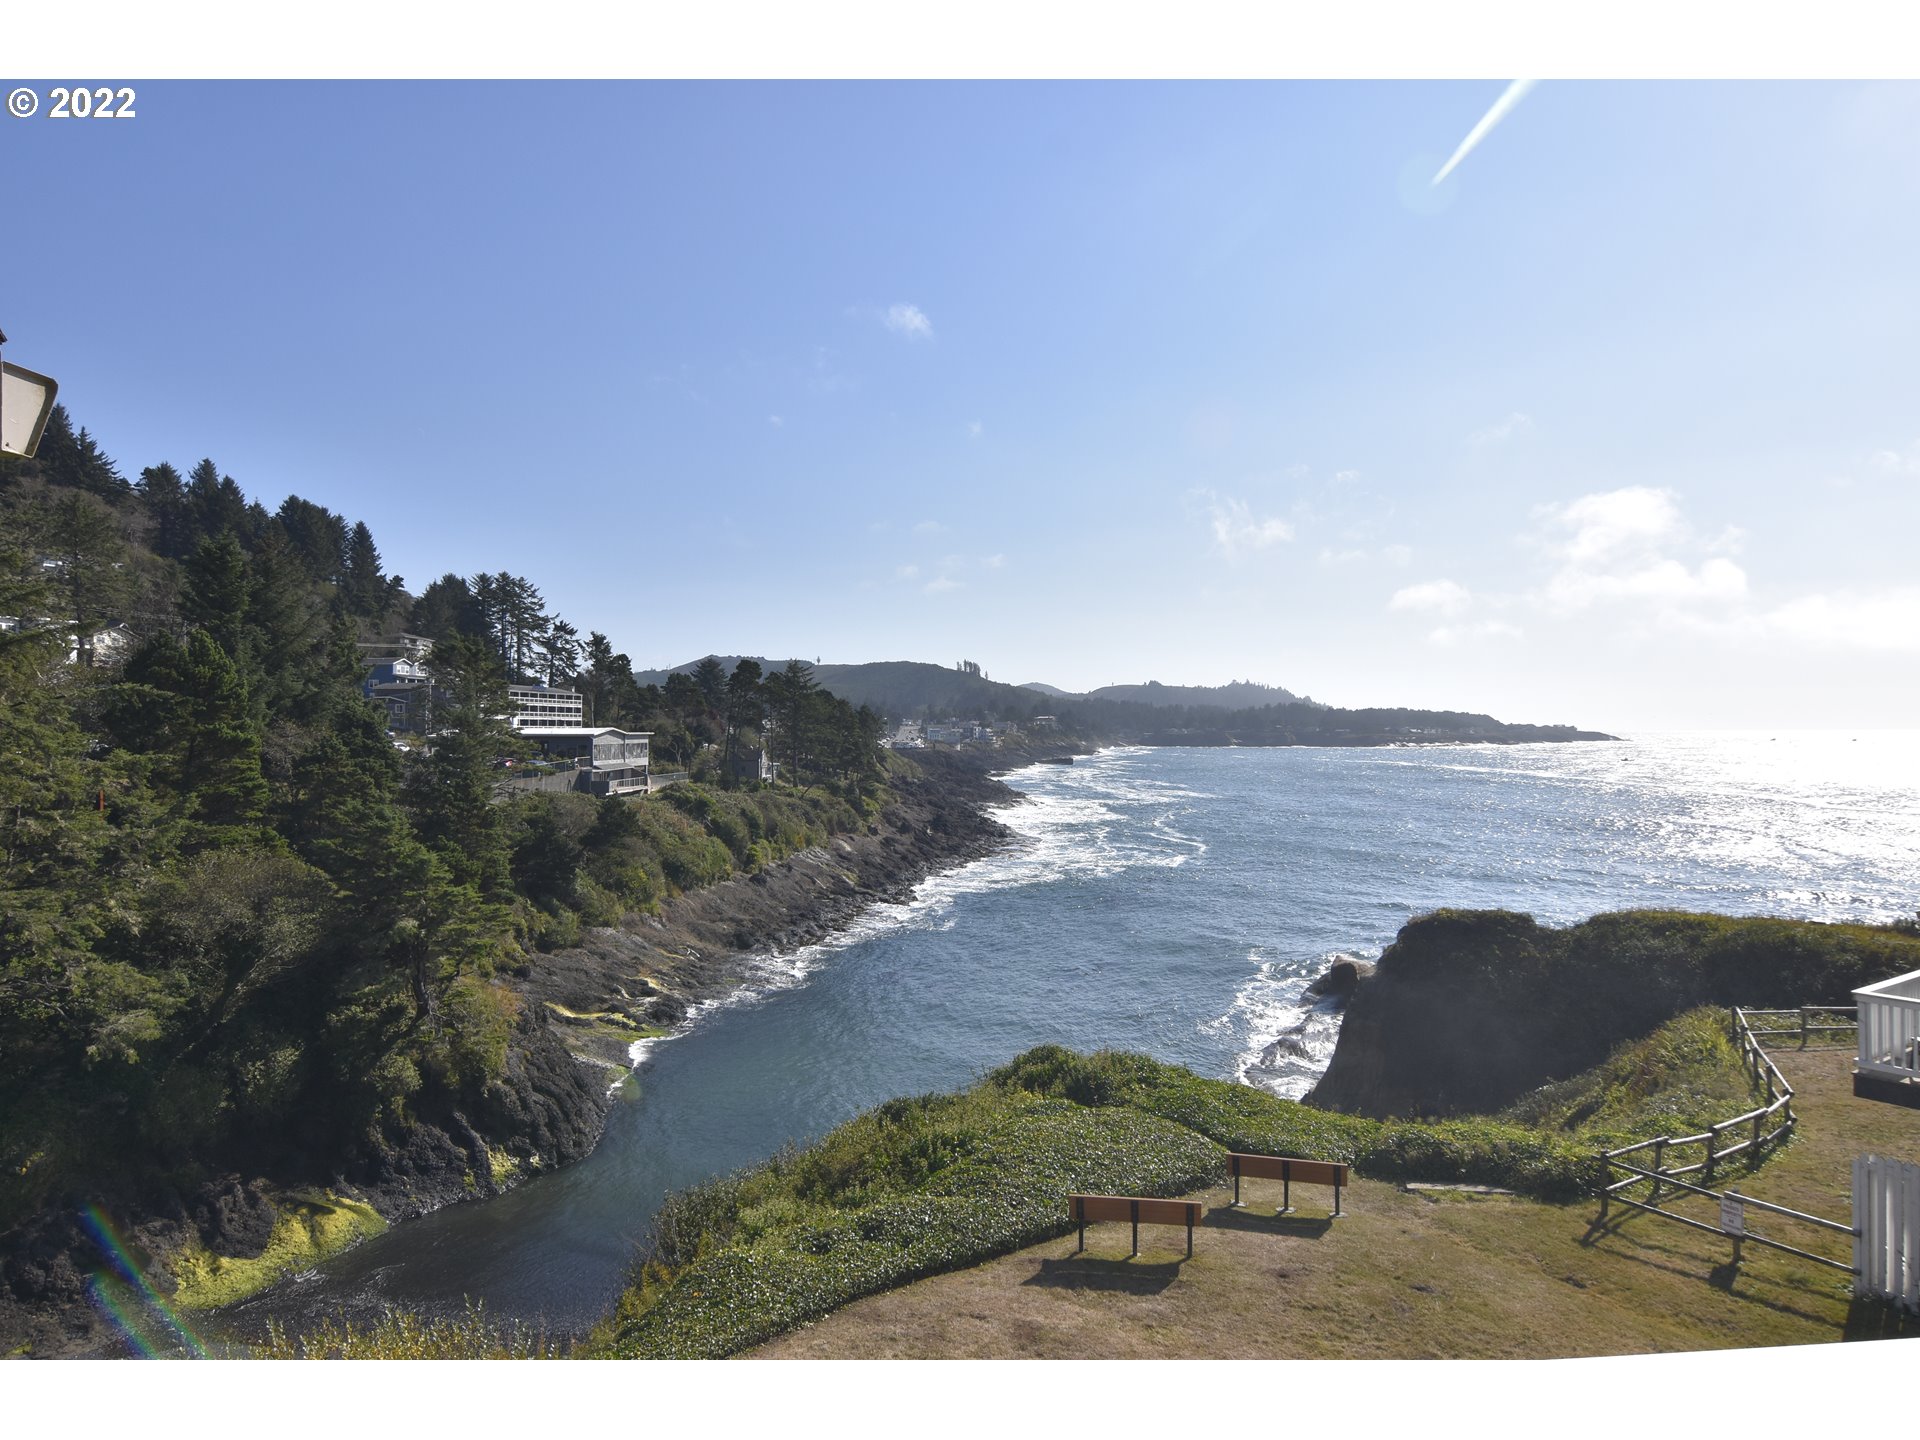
pixel 931 1183
pixel 782 1262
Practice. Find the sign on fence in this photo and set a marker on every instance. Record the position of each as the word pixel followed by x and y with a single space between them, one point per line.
pixel 1733 1217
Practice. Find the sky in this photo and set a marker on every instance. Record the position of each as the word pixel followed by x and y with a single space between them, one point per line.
pixel 1090 383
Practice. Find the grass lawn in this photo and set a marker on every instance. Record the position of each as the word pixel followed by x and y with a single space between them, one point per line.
pixel 1410 1274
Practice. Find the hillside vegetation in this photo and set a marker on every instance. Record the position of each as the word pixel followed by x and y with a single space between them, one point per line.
pixel 244 936
pixel 1468 1010
pixel 921 1186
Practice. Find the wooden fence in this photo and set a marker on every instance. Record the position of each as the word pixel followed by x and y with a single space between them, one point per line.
pixel 1802 1022
pixel 1757 1129
pixel 1886 1239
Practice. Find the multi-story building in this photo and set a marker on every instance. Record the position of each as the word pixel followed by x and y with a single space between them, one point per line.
pixel 536 706
pixel 401 687
pixel 606 761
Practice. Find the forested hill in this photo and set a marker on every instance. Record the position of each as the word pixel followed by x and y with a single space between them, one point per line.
pixel 1238 695
pixel 903 689
pixel 245 931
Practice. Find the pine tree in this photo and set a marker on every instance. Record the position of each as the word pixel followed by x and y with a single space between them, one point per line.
pixel 165 496
pixel 447 607
pixel 363 586
pixel 559 652
pixel 317 536
pixel 82 535
pixel 790 692
pixel 451 790
pixel 287 634
pixel 214 595
pixel 187 706
pixel 214 505
pixel 745 704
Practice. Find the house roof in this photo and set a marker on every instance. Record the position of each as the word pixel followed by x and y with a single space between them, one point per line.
pixel 562 732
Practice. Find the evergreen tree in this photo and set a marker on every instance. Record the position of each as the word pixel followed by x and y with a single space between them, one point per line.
pixel 559 652
pixel 316 536
pixel 214 505
pixel 363 586
pixel 451 790
pixel 287 634
pixel 187 706
pixel 711 678
pixel 82 536
pixel 165 496
pixel 790 691
pixel 745 704
pixel 447 607
pixel 214 595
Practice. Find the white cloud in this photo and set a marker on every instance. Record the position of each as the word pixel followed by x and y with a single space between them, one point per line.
pixel 929 527
pixel 775 421
pixel 940 584
pixel 908 320
pixel 1345 477
pixel 1616 546
pixel 1893 462
pixel 1503 431
pixel 1718 579
pixel 1886 620
pixel 1450 636
pixel 907 572
pixel 974 430
pixel 1398 556
pixel 1237 528
pixel 995 562
pixel 1342 557
pixel 1447 597
pixel 1616 522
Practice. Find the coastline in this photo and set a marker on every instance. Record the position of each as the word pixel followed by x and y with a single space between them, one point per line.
pixel 584 1008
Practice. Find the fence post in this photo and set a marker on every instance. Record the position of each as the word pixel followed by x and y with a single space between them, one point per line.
pixel 1713 1139
pixel 1659 1165
pixel 1803 1027
pixel 1758 1120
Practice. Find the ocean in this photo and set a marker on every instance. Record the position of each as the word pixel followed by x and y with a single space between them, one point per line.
pixel 1174 901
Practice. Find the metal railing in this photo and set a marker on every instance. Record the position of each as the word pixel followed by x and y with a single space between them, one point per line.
pixel 1770 1123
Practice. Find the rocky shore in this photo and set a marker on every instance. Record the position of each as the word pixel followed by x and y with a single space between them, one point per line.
pixel 582 1008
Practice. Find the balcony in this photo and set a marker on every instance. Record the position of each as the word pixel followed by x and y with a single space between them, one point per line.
pixel 1888 1066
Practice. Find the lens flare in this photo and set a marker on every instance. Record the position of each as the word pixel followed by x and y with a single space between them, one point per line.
pixel 1512 96
pixel 126 1311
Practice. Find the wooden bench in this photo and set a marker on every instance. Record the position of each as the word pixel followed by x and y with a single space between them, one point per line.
pixel 1286 1170
pixel 1090 1209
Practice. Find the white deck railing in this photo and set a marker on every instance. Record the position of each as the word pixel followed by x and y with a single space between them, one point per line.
pixel 1890 1028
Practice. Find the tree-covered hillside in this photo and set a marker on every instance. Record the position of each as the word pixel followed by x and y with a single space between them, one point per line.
pixel 241 928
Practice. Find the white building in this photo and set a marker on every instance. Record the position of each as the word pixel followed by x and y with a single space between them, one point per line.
pixel 535 706
pixel 607 761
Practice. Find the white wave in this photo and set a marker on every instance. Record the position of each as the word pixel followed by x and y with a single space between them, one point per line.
pixel 1066 826
pixel 1285 1038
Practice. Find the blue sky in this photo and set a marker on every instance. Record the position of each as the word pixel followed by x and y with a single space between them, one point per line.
pixel 1087 382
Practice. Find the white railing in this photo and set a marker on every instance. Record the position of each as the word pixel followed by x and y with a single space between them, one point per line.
pixel 1886 1230
pixel 1890 1028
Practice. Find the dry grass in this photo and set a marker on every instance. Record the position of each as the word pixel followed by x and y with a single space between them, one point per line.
pixel 1409 1275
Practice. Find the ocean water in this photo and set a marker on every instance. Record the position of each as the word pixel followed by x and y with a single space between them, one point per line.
pixel 1177 902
